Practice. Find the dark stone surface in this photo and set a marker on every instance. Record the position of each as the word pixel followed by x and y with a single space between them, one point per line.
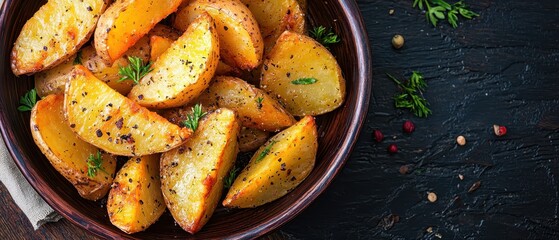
pixel 500 68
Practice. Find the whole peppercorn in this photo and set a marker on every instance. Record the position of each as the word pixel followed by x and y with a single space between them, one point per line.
pixel 398 41
pixel 408 126
pixel 431 196
pixel 377 134
pixel 392 148
pixel 461 140
pixel 499 130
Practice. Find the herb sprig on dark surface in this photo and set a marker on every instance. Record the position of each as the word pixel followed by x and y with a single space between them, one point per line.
pixel 323 36
pixel 28 101
pixel 412 95
pixel 135 71
pixel 436 10
pixel 228 181
pixel 193 119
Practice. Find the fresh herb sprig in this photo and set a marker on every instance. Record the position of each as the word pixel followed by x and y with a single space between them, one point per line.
pixel 94 164
pixel 28 101
pixel 228 181
pixel 412 95
pixel 265 152
pixel 436 10
pixel 135 71
pixel 259 101
pixel 78 59
pixel 193 118
pixel 304 81
pixel 323 36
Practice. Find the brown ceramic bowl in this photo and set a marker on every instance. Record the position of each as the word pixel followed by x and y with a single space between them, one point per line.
pixel 338 132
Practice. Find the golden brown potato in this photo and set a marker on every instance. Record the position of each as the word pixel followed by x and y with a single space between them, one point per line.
pixel 68 154
pixel 276 16
pixel 125 22
pixel 54 33
pixel 192 175
pixel 158 46
pixel 114 123
pixel 251 139
pixel 178 115
pixel 241 44
pixel 182 72
pixel 303 75
pixel 52 81
pixel 135 200
pixel 255 108
pixel 165 31
pixel 277 167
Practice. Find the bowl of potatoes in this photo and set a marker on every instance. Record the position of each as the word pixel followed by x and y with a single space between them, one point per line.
pixel 188 119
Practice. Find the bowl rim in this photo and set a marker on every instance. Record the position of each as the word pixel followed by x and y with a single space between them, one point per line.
pixel 363 94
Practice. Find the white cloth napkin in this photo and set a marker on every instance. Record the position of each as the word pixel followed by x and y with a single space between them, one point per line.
pixel 33 206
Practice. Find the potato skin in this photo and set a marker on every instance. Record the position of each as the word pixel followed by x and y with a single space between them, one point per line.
pixel 67 153
pixel 184 70
pixel 251 139
pixel 241 44
pixel 192 175
pixel 114 123
pixel 41 46
pixel 267 177
pixel 122 25
pixel 135 201
pixel 243 98
pixel 276 16
pixel 296 56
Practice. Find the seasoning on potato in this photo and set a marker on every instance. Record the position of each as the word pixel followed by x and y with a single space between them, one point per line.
pixel 277 167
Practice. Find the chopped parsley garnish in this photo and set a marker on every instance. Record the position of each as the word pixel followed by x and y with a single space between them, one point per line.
pixel 135 71
pixel 28 101
pixel 94 164
pixel 304 81
pixel 323 36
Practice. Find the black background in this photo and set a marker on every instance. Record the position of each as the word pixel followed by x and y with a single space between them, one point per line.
pixel 500 68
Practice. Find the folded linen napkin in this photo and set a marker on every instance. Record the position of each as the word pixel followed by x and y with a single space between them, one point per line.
pixel 33 206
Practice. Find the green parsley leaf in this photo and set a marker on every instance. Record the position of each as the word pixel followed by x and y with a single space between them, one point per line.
pixel 78 59
pixel 228 181
pixel 324 37
pixel 94 164
pixel 28 101
pixel 135 71
pixel 193 118
pixel 412 95
pixel 265 152
pixel 440 9
pixel 304 81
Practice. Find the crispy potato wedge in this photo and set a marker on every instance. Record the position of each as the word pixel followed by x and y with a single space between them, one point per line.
pixel 182 72
pixel 66 152
pixel 53 81
pixel 276 16
pixel 255 108
pixel 125 22
pixel 165 31
pixel 178 115
pixel 241 44
pixel 251 139
pixel 277 167
pixel 224 69
pixel 296 57
pixel 54 33
pixel 192 175
pixel 114 123
pixel 158 46
pixel 135 201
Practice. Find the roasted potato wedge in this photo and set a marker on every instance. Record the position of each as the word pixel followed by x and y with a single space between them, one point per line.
pixel 165 31
pixel 41 46
pixel 277 167
pixel 114 123
pixel 255 108
pixel 125 22
pixel 303 75
pixel 251 139
pixel 52 81
pixel 192 175
pixel 182 72
pixel 158 46
pixel 241 44
pixel 68 154
pixel 178 115
pixel 135 200
pixel 276 16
